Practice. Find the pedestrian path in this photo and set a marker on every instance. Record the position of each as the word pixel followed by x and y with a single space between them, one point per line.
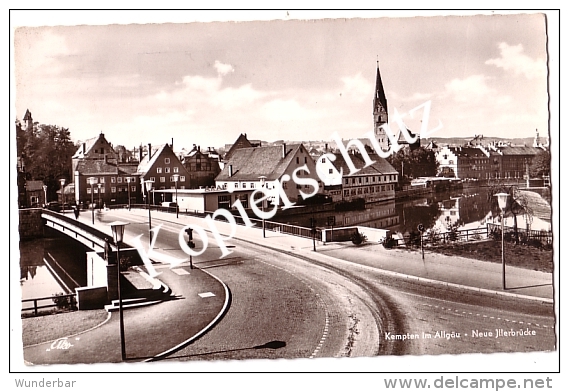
pixel 454 270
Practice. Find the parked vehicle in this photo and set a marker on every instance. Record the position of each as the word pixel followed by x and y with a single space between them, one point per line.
pixel 54 206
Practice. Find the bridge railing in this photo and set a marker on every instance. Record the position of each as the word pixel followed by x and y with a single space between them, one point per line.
pixel 82 231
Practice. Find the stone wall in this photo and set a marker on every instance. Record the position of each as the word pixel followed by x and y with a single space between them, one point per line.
pixel 30 224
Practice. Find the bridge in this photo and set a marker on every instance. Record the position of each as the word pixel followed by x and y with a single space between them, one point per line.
pixel 86 234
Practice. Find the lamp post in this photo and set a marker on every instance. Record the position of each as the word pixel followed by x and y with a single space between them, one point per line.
pixel 62 182
pixel 502 201
pixel 148 184
pixel 118 234
pixel 44 194
pixel 263 179
pixel 176 178
pixel 99 195
pixel 92 181
pixel 128 189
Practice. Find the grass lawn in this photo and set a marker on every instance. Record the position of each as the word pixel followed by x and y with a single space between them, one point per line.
pixel 47 328
pixel 523 256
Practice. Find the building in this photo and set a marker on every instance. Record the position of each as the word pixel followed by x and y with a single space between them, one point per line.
pixel 241 142
pixel 249 168
pixel 161 165
pixel 103 176
pixel 373 183
pixel 495 161
pixel 35 194
pixel 202 166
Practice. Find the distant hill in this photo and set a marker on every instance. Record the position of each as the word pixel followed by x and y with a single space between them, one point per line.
pixel 459 141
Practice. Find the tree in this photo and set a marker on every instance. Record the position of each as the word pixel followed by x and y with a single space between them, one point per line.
pixel 46 152
pixel 540 164
pixel 420 162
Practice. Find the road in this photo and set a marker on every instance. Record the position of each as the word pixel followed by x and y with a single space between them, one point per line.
pixel 286 305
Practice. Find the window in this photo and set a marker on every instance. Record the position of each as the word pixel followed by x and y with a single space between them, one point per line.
pixel 298 186
pixel 182 178
pixel 297 159
pixel 323 160
pixel 305 160
pixel 158 170
pixel 119 180
pixel 236 185
pixel 166 161
pixel 133 189
pixel 330 171
pixel 244 185
pixel 175 169
pixel 162 179
pixel 153 179
pixel 346 181
pixel 103 189
pixel 166 170
pixel 113 180
pixel 252 185
pixel 284 185
pixel 88 191
pixel 102 180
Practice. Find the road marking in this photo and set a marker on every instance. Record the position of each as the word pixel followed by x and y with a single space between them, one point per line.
pixel 206 295
pixel 180 271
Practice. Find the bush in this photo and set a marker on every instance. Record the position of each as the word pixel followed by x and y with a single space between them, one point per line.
pixel 414 239
pixel 433 236
pixel 358 238
pixel 390 243
pixel 63 301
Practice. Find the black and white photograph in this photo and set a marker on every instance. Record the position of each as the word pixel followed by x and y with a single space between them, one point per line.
pixel 284 191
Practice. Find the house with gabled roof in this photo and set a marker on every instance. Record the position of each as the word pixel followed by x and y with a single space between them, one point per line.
pixel 248 168
pixel 101 177
pixel 160 165
pixel 372 183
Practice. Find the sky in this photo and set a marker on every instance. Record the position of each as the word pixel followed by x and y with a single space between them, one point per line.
pixel 158 77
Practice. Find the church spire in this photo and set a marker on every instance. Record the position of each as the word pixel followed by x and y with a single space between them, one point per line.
pixel 379 97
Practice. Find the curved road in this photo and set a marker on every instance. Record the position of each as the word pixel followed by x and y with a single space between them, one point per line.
pixel 286 305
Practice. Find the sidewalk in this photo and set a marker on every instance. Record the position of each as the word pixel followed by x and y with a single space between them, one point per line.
pixel 463 272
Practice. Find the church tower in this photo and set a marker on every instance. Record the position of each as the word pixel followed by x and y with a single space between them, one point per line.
pixel 28 121
pixel 380 112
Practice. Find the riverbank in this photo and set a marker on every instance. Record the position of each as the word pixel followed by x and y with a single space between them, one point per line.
pixel 523 256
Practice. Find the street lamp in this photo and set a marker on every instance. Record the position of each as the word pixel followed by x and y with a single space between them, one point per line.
pixel 92 181
pixel 176 178
pixel 99 195
pixel 502 201
pixel 118 234
pixel 62 182
pixel 148 184
pixel 44 194
pixel 263 179
pixel 128 186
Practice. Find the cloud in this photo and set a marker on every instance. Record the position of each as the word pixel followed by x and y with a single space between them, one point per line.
pixel 223 69
pixel 471 89
pixel 356 87
pixel 512 58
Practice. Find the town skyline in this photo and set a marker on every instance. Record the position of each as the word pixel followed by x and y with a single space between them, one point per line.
pixel 487 77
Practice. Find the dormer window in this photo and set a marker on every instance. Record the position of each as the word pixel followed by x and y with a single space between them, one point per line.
pixel 166 161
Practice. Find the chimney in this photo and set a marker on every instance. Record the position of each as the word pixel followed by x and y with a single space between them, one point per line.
pixel 199 148
pixel 149 151
pixel 140 153
pixel 326 147
pixel 172 145
pixel 284 150
pixel 230 170
pixel 84 148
